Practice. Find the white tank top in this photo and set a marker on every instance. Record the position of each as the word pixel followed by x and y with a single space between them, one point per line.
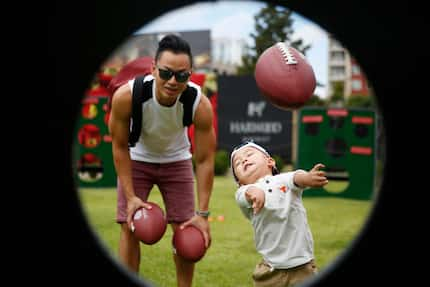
pixel 164 138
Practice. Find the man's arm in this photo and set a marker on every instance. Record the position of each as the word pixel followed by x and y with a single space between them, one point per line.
pixel 119 128
pixel 204 151
pixel 204 156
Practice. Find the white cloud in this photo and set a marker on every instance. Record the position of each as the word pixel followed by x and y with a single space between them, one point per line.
pixel 192 17
pixel 201 16
pixel 309 33
pixel 321 92
pixel 238 25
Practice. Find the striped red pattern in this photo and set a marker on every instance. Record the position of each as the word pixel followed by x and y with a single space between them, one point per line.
pixel 337 112
pixel 362 120
pixel 312 119
pixel 361 150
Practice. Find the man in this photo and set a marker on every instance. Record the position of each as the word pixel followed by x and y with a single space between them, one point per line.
pixel 162 154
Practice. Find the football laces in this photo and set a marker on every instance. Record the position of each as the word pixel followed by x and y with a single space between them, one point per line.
pixel 286 54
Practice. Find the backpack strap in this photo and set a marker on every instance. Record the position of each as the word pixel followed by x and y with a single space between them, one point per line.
pixel 188 98
pixel 141 92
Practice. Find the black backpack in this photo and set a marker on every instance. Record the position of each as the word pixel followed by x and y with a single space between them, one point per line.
pixel 142 91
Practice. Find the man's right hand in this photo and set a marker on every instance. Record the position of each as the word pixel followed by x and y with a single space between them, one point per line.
pixel 134 204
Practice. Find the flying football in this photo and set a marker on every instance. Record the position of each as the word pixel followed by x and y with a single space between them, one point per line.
pixel 284 76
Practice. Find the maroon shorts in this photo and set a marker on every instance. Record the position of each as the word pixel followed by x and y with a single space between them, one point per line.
pixel 175 181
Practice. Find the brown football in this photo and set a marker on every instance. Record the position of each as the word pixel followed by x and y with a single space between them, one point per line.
pixel 284 76
pixel 149 225
pixel 189 243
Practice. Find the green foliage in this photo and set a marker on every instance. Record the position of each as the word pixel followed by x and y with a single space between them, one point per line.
pixel 222 162
pixel 279 162
pixel 272 24
pixel 360 101
pixel 315 101
pixel 338 93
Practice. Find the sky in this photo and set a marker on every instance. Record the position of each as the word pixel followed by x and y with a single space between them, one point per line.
pixel 234 19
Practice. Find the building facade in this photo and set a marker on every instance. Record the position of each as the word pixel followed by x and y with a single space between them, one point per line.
pixel 227 54
pixel 345 70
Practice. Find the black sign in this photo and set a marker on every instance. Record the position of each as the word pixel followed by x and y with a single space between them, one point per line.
pixel 244 114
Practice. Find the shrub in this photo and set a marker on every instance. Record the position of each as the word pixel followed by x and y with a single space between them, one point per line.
pixel 360 101
pixel 279 162
pixel 222 162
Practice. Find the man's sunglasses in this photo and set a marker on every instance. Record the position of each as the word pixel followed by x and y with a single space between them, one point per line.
pixel 181 76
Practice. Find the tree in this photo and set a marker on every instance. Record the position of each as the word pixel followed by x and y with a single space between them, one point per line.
pixel 315 101
pixel 364 101
pixel 272 24
pixel 337 98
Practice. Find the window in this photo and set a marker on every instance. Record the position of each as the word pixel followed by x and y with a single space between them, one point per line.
pixel 356 85
pixel 356 70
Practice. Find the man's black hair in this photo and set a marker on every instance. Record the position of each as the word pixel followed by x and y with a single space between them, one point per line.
pixel 175 44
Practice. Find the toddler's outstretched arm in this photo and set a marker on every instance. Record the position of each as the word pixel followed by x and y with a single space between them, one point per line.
pixel 313 178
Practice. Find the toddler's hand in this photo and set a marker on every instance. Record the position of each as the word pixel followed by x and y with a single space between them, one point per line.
pixel 255 196
pixel 316 177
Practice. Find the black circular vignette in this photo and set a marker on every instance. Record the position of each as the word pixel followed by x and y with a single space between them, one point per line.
pixel 376 35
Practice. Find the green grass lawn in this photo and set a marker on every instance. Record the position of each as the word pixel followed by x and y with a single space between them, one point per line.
pixel 231 258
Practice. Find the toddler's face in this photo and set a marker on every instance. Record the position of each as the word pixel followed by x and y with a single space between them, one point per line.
pixel 250 164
